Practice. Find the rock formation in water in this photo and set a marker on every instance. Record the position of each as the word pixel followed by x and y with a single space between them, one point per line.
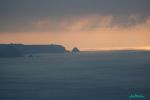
pixel 75 50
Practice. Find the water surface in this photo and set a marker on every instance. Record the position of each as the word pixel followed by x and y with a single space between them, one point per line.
pixel 83 76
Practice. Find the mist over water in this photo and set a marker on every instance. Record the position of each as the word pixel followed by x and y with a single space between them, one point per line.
pixel 81 76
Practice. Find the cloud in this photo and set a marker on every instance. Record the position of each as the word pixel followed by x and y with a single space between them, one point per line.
pixel 70 15
pixel 76 33
pixel 81 23
pixel 87 23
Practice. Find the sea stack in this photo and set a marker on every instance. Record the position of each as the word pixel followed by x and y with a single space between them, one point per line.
pixel 75 50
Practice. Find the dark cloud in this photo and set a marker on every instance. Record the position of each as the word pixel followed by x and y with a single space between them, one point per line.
pixel 21 15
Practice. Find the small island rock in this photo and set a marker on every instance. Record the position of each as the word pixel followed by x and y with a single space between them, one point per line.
pixel 75 50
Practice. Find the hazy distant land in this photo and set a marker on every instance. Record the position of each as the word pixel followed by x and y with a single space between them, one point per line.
pixel 19 50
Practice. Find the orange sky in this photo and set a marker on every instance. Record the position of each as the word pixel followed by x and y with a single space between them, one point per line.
pixel 102 37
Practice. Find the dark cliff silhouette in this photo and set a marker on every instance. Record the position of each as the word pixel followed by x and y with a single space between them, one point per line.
pixel 75 50
pixel 28 49
pixel 17 50
pixel 9 51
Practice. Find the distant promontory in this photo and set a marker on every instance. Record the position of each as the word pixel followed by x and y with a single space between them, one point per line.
pixel 19 50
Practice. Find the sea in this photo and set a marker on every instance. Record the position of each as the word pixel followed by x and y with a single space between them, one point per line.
pixel 101 75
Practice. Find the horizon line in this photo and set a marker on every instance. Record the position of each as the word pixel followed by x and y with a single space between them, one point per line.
pixel 145 48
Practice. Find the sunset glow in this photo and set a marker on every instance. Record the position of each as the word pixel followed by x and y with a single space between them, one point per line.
pixel 89 31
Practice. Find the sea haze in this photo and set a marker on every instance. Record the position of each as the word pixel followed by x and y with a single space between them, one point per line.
pixel 105 75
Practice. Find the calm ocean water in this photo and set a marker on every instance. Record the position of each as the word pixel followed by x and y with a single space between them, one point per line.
pixel 83 76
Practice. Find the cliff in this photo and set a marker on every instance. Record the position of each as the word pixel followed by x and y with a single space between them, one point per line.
pixel 9 51
pixel 17 50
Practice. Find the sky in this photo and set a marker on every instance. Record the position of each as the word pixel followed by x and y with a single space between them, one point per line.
pixel 86 24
